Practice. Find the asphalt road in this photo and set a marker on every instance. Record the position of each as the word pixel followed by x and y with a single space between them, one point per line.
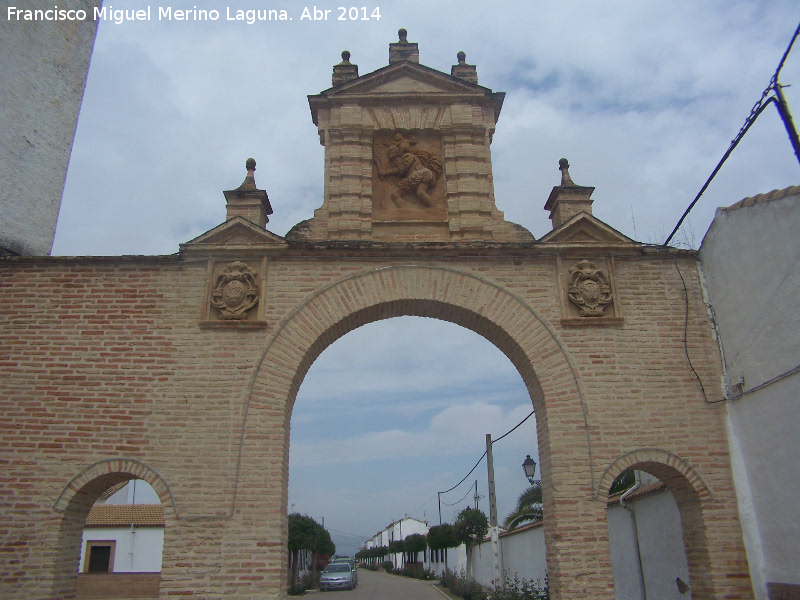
pixel 380 586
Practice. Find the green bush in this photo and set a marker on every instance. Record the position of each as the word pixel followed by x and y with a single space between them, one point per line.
pixel 509 589
pixel 521 589
pixel 415 571
pixel 306 582
pixel 388 566
pixel 461 586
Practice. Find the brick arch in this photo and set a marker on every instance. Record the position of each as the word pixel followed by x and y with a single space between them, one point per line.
pixel 462 298
pixel 667 466
pixel 691 495
pixel 443 293
pixel 74 503
pixel 98 477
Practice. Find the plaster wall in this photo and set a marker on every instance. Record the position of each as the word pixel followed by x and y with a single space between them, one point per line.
pixel 44 66
pixel 135 552
pixel 750 259
pixel 660 545
pixel 456 560
pixel 523 556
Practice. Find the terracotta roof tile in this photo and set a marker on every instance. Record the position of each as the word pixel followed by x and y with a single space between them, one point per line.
pixel 761 198
pixel 119 515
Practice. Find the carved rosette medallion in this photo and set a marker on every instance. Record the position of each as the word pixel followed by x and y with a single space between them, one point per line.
pixel 235 292
pixel 589 289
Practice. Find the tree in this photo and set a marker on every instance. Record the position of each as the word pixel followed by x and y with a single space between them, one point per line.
pixel 442 537
pixel 396 547
pixel 624 482
pixel 528 509
pixel 471 527
pixel 306 534
pixel 413 545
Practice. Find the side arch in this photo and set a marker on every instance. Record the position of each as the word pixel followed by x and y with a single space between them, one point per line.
pixel 668 467
pixel 76 500
pixel 692 497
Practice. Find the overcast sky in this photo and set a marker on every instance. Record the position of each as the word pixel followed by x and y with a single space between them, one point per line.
pixel 642 97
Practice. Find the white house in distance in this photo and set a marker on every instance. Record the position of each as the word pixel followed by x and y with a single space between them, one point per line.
pixel 395 531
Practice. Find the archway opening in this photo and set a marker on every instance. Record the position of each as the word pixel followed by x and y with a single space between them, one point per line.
pixel 645 537
pixel 112 532
pixel 393 413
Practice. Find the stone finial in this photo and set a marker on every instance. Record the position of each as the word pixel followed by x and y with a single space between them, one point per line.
pixel 464 71
pixel 568 199
pixel 345 70
pixel 249 183
pixel 403 49
pixel 563 166
pixel 247 201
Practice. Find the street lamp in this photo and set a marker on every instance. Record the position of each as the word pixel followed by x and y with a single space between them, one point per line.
pixel 529 466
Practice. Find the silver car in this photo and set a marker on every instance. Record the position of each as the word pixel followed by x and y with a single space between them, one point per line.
pixel 337 576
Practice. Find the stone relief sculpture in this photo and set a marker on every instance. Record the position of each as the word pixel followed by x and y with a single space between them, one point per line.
pixel 235 292
pixel 589 289
pixel 407 178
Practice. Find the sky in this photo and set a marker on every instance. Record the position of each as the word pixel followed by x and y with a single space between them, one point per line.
pixel 642 97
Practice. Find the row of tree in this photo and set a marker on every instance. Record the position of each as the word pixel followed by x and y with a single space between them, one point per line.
pixel 471 527
pixel 306 534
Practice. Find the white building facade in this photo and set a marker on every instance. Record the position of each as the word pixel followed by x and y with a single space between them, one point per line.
pixel 750 260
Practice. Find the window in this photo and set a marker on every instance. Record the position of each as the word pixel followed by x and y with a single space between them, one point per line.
pixel 99 556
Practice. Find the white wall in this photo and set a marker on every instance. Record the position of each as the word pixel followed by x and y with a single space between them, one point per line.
pixel 522 552
pixel 137 552
pixel 456 561
pixel 660 546
pixel 750 261
pixel 44 66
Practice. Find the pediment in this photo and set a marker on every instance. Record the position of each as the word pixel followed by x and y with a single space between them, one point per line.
pixel 235 232
pixel 406 78
pixel 584 229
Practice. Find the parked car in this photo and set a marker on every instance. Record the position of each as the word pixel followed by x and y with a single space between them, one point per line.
pixel 337 576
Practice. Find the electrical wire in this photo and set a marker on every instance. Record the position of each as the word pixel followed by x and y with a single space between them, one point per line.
pixel 460 501
pixel 517 425
pixel 768 382
pixel 484 454
pixel 686 337
pixel 467 475
pixel 755 112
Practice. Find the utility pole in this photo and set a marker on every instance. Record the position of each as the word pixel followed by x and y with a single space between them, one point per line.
pixel 496 558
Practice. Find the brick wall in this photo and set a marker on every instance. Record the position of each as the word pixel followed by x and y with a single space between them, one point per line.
pixel 119 586
pixel 109 373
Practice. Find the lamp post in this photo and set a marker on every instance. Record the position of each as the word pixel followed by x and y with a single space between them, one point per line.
pixel 529 466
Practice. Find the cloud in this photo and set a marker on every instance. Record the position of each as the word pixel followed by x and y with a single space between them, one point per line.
pixel 457 429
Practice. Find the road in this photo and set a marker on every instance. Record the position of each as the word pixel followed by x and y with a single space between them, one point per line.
pixel 380 586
